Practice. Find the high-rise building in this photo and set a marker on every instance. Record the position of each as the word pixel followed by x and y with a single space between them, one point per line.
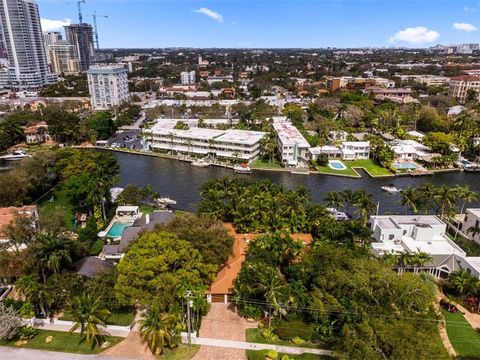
pixel 63 59
pixel 187 77
pixel 81 37
pixel 108 86
pixel 51 37
pixel 21 32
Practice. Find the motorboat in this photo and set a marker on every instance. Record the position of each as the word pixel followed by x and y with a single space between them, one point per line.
pixel 390 188
pixel 338 215
pixel 201 163
pixel 242 169
pixel 165 201
pixel 15 156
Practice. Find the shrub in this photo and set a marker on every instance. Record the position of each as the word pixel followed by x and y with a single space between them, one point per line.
pixel 271 355
pixel 96 247
pixel 287 330
pixel 322 160
pixel 10 322
pixel 268 334
pixel 250 312
pixel 27 310
pixel 298 340
pixel 14 304
pixel 27 333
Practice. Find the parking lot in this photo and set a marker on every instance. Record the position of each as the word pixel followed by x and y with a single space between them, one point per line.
pixel 130 139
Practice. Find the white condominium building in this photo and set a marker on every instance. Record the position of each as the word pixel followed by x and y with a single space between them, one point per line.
pixel 226 144
pixel 460 85
pixel 292 146
pixel 187 77
pixel 108 86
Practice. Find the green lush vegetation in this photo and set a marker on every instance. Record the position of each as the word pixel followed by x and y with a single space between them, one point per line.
pixel 269 354
pixel 181 352
pixel 370 166
pixel 464 339
pixel 255 336
pixel 62 341
pixel 116 318
pixel 265 164
pixel 349 171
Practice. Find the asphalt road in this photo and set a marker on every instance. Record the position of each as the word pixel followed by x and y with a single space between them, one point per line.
pixel 27 354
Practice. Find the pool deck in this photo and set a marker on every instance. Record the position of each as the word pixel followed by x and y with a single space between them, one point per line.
pixel 120 219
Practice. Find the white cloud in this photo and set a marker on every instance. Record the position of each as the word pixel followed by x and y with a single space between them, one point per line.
pixel 464 27
pixel 49 25
pixel 469 9
pixel 211 14
pixel 415 35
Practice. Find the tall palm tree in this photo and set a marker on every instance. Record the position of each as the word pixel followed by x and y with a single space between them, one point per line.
pixel 88 315
pixel 158 330
pixel 410 199
pixel 365 205
pixel 348 197
pixel 445 197
pixel 463 282
pixel 465 194
pixel 334 199
pixel 52 253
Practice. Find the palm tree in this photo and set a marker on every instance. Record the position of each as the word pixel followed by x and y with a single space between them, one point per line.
pixel 273 289
pixel 52 252
pixel 410 199
pixel 445 197
pixel 474 230
pixel 88 315
pixel 365 205
pixel 466 195
pixel 334 199
pixel 348 197
pixel 158 330
pixel 463 282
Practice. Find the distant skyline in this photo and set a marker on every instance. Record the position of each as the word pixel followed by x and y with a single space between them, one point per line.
pixel 272 23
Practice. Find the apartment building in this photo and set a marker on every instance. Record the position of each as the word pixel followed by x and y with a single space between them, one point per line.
pixel 460 85
pixel 427 80
pixel 187 77
pixel 354 83
pixel 22 39
pixel 81 37
pixel 108 86
pixel 62 58
pixel 226 144
pixel 292 146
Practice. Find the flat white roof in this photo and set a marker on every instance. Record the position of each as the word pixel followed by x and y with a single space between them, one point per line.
pixel 356 143
pixel 241 136
pixel 289 134
pixel 127 208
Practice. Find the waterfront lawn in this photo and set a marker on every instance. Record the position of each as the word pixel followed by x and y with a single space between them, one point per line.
pixel 62 341
pixel 146 209
pixel 262 164
pixel 329 171
pixel 465 340
pixel 370 166
pixel 181 352
pixel 59 201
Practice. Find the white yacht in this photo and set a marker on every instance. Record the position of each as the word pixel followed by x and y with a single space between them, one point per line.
pixel 390 188
pixel 165 201
pixel 201 163
pixel 15 155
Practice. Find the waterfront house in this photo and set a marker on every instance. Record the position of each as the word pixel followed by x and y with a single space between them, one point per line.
pixel 421 233
pixel 411 150
pixel 349 150
pixel 37 134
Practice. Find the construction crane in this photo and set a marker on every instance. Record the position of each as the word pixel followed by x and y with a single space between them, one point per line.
pixel 80 17
pixel 95 28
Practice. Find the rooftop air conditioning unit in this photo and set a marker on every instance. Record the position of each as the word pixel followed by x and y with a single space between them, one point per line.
pixel 397 242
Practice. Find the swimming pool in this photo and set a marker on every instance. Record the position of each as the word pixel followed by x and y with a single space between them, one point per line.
pixel 116 230
pixel 336 165
pixel 404 166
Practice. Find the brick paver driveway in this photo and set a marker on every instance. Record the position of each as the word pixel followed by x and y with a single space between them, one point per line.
pixel 222 322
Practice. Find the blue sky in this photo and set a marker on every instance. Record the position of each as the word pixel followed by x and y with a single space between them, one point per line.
pixel 274 23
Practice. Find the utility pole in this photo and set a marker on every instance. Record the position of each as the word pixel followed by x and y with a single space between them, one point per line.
pixel 189 305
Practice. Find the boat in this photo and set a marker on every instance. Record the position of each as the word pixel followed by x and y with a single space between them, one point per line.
pixel 201 163
pixel 338 215
pixel 242 169
pixel 165 201
pixel 15 155
pixel 390 188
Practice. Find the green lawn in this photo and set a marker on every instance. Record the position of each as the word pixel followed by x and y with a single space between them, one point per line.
pixel 62 341
pixel 373 169
pixel 181 352
pixel 121 319
pixel 146 209
pixel 59 200
pixel 254 336
pixel 261 164
pixel 465 340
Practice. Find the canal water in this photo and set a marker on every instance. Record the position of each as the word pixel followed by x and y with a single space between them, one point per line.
pixel 181 181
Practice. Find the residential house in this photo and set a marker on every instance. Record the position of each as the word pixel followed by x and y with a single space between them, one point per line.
pixel 471 219
pixel 411 150
pixel 355 150
pixel 37 134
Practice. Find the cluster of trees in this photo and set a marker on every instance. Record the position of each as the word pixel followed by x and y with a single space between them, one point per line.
pixel 165 265
pixel 71 86
pixel 337 297
pixel 359 201
pixel 259 206
pixel 442 200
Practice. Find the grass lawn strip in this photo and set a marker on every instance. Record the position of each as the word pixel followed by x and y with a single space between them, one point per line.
pixel 348 172
pixel 120 319
pixel 181 352
pixel 464 339
pixel 370 167
pixel 254 336
pixel 260 164
pixel 62 341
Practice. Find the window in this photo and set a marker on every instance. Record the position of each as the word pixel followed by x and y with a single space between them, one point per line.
pixel 404 232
